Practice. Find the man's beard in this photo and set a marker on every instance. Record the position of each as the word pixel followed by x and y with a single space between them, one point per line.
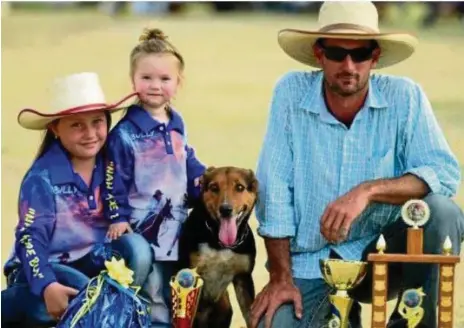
pixel 336 88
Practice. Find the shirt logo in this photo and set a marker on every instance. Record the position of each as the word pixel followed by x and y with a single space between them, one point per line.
pixel 142 135
pixel 64 190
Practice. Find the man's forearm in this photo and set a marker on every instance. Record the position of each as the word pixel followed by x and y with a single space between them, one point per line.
pixel 278 251
pixel 396 191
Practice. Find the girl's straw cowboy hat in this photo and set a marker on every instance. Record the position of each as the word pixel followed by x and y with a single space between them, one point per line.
pixel 72 94
pixel 347 20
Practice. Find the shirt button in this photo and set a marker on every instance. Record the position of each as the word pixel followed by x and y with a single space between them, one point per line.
pixel 168 142
pixel 90 197
pixel 161 128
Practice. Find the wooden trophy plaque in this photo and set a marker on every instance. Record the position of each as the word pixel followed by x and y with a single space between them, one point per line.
pixel 415 213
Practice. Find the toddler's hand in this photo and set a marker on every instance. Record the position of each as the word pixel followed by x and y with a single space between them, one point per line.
pixel 117 229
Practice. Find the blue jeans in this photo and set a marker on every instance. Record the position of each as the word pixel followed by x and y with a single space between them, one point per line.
pixel 158 292
pixel 21 308
pixel 446 219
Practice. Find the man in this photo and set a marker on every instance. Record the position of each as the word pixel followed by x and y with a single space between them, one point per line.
pixel 344 150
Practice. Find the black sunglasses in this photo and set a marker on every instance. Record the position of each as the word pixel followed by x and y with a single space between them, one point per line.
pixel 339 54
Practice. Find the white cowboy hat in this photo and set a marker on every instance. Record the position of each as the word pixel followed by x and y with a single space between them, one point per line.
pixel 347 20
pixel 72 94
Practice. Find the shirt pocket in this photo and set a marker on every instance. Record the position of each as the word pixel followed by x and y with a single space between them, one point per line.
pixel 383 164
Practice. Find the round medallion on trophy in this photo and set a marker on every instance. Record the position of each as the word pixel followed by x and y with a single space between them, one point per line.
pixel 185 278
pixel 415 213
pixel 412 298
pixel 410 306
pixel 334 322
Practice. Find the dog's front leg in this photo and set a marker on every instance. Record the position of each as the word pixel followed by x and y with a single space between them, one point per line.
pixel 245 291
pixel 202 316
pixel 221 315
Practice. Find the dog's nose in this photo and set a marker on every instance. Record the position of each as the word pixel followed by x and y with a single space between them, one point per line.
pixel 225 210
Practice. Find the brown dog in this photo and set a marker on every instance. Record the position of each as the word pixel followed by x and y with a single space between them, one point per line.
pixel 218 241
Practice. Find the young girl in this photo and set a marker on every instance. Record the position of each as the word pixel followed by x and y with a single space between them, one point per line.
pixel 61 231
pixel 152 171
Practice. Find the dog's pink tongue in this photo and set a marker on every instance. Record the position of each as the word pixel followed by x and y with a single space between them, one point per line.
pixel 228 231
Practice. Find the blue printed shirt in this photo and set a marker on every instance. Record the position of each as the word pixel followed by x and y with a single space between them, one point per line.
pixel 60 217
pixel 309 159
pixel 150 176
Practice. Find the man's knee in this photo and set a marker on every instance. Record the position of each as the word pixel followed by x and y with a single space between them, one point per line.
pixel 283 317
pixel 446 220
pixel 444 211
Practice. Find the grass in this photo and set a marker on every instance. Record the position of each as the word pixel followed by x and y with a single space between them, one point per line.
pixel 233 62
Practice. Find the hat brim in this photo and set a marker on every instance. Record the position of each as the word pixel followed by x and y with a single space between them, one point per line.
pixel 395 47
pixel 33 119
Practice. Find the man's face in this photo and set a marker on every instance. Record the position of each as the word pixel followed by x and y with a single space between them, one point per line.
pixel 346 75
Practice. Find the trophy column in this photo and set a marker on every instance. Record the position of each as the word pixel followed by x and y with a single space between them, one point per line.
pixel 379 295
pixel 186 288
pixel 446 290
pixel 379 289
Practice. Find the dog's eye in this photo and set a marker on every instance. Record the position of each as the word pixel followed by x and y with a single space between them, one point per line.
pixel 214 187
pixel 239 188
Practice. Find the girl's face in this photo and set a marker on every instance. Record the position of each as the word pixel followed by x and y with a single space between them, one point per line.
pixel 82 135
pixel 156 79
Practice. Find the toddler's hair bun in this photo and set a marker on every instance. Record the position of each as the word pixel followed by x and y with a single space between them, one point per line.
pixel 152 34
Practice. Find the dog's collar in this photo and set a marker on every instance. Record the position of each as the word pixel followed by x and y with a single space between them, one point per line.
pixel 237 243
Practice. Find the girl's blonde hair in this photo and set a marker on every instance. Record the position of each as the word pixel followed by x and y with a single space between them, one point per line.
pixel 153 41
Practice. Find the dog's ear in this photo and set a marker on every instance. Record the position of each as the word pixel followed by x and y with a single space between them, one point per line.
pixel 252 181
pixel 205 178
pixel 210 169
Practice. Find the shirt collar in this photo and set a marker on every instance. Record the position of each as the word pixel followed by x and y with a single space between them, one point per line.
pixel 143 120
pixel 61 170
pixel 314 102
pixel 375 99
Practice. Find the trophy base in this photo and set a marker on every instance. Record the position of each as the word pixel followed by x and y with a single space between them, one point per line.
pixel 182 323
pixel 403 323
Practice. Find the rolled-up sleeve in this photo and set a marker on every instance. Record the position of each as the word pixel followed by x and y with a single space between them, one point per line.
pixel 274 209
pixel 428 155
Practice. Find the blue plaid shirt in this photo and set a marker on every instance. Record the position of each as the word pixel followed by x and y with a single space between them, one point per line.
pixel 309 159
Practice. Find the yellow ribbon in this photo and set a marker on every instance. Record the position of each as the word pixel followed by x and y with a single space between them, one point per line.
pixel 118 271
pixel 91 295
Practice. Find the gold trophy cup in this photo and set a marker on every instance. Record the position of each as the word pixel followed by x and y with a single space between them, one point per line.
pixel 342 275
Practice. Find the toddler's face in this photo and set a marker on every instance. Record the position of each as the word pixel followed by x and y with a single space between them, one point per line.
pixel 156 79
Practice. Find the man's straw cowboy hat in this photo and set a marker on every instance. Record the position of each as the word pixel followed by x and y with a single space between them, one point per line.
pixel 72 94
pixel 347 20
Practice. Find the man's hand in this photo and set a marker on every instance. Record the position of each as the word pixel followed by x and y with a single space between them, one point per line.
pixel 273 295
pixel 339 215
pixel 117 229
pixel 56 298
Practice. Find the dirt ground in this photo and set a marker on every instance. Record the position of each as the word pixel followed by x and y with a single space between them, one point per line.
pixel 232 63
